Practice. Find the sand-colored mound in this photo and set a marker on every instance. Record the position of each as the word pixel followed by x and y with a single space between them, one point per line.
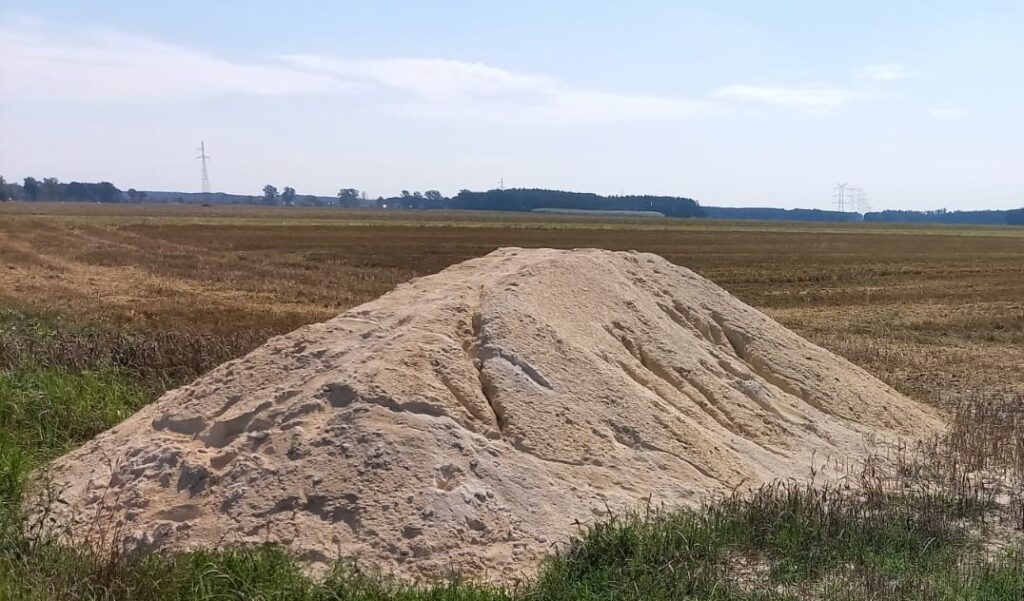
pixel 466 420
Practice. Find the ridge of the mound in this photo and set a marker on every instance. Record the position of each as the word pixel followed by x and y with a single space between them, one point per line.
pixel 468 419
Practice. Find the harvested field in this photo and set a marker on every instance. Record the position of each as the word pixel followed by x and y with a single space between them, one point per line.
pixel 933 311
pixel 104 307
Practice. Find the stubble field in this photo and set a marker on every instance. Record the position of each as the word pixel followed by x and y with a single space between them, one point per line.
pixel 934 311
pixel 102 307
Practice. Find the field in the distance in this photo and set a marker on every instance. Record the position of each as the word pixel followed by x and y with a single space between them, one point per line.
pixel 933 310
pixel 102 307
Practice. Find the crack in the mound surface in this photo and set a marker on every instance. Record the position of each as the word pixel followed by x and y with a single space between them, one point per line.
pixel 474 408
pixel 519 446
pixel 733 337
pixel 710 407
pixel 489 352
pixel 727 416
pixel 459 393
pixel 629 371
pixel 679 318
pixel 486 386
pixel 652 368
pixel 708 329
pixel 740 346
pixel 680 381
pixel 744 388
pixel 628 437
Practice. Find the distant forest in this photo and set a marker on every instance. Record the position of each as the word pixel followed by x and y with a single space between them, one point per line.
pixel 531 200
pixel 50 189
pixel 1014 217
pixel 769 214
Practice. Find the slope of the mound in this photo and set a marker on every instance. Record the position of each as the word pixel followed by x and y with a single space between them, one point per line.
pixel 466 420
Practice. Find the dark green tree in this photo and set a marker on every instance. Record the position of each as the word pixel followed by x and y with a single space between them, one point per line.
pixel 348 197
pixel 269 195
pixel 432 199
pixel 5 194
pixel 31 188
pixel 86 192
pixel 288 196
pixel 49 189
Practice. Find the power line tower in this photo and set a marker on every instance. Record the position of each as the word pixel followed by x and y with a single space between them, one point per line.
pixel 859 200
pixel 865 204
pixel 839 194
pixel 206 176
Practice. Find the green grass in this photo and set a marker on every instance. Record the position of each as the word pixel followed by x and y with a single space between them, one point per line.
pixel 800 549
pixel 45 411
pixel 783 541
pixel 916 541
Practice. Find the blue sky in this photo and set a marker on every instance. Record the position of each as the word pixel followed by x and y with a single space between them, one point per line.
pixel 731 103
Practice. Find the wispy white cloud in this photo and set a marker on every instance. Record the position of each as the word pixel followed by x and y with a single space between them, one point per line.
pixel 810 99
pixel 104 66
pixel 110 66
pixel 435 79
pixel 474 90
pixel 107 66
pixel 885 73
pixel 606 106
pixel 946 113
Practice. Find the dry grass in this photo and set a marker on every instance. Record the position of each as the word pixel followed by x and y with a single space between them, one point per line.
pixel 935 311
pixel 96 300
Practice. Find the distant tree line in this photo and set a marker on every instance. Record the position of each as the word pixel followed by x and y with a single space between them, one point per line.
pixel 491 200
pixel 346 197
pixel 769 214
pixel 942 216
pixel 528 199
pixel 1015 217
pixel 522 199
pixel 516 199
pixel 50 189
pixel 431 199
